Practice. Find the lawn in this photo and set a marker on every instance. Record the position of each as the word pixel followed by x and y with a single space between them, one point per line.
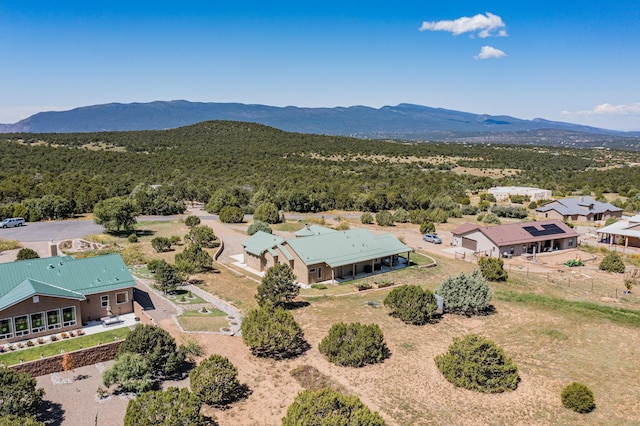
pixel 184 297
pixel 64 345
pixel 197 321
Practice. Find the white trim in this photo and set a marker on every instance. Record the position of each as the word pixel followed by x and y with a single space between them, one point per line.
pixel 126 297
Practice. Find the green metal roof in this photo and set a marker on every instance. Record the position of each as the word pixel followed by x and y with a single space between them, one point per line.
pixel 309 231
pixel 260 242
pixel 62 277
pixel 285 252
pixel 346 247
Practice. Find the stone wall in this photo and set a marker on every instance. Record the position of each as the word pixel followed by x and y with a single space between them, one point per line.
pixel 79 358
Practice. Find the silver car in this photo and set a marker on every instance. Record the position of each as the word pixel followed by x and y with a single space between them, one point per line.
pixel 10 222
pixel 432 238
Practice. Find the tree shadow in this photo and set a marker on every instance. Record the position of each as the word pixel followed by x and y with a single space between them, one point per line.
pixel 490 310
pixel 298 304
pixel 243 392
pixel 292 353
pixel 51 413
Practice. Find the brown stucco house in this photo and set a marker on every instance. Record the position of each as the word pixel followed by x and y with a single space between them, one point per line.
pixel 319 254
pixel 578 209
pixel 516 238
pixel 39 297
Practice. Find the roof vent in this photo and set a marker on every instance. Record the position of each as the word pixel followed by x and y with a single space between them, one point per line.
pixel 50 266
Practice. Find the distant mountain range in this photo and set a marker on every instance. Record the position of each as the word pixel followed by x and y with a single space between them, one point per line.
pixel 402 122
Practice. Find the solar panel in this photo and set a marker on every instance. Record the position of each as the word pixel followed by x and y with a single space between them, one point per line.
pixel 547 229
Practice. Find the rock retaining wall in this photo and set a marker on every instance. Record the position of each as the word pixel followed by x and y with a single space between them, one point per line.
pixel 79 358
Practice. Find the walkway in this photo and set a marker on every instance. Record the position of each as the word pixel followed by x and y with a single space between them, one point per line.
pixel 161 309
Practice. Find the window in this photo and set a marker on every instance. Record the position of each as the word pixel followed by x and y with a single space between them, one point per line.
pixel 319 273
pixel 6 330
pixel 69 316
pixel 53 319
pixel 122 298
pixel 22 325
pixel 570 242
pixel 37 322
pixel 104 301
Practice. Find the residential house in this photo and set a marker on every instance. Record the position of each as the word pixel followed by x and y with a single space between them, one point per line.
pixel 516 238
pixel 320 254
pixel 624 232
pixel 44 296
pixel 578 209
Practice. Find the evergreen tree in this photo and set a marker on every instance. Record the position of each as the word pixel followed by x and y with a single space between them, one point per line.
pixel 272 332
pixel 411 304
pixel 466 294
pixel 172 407
pixel 475 363
pixel 18 393
pixel 278 286
pixel 354 345
pixel 329 407
pixel 215 381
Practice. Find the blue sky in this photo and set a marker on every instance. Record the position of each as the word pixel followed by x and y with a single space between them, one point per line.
pixel 567 60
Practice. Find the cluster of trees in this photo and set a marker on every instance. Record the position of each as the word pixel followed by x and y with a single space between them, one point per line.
pixel 301 173
pixel 147 355
pixel 193 259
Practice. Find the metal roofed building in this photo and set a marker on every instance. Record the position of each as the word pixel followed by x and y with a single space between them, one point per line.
pixel 623 232
pixel 516 238
pixel 39 297
pixel 535 194
pixel 578 209
pixel 326 254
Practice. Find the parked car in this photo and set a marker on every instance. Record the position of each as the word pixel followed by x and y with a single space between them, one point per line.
pixel 10 222
pixel 432 238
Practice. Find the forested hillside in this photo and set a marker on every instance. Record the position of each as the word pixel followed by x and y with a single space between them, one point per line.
pixel 298 172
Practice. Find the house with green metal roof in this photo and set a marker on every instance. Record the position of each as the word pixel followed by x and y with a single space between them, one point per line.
pixel 43 296
pixel 319 254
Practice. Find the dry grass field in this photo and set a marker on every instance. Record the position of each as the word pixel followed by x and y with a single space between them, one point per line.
pixel 553 339
pixel 551 346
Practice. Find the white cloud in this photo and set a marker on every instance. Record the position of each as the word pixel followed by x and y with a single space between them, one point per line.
pixel 608 109
pixel 488 52
pixel 488 25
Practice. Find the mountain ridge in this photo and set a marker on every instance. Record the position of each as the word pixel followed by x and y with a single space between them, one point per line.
pixel 403 121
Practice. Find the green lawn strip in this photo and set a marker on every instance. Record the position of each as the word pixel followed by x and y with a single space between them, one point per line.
pixel 193 300
pixel 211 312
pixel 67 345
pixel 289 226
pixel 619 315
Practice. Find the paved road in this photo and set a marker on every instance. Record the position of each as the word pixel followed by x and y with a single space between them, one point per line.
pixel 63 229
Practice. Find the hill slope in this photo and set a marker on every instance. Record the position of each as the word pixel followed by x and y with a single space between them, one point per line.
pixel 404 121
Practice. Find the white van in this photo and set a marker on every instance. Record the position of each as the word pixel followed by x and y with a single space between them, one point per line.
pixel 11 222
